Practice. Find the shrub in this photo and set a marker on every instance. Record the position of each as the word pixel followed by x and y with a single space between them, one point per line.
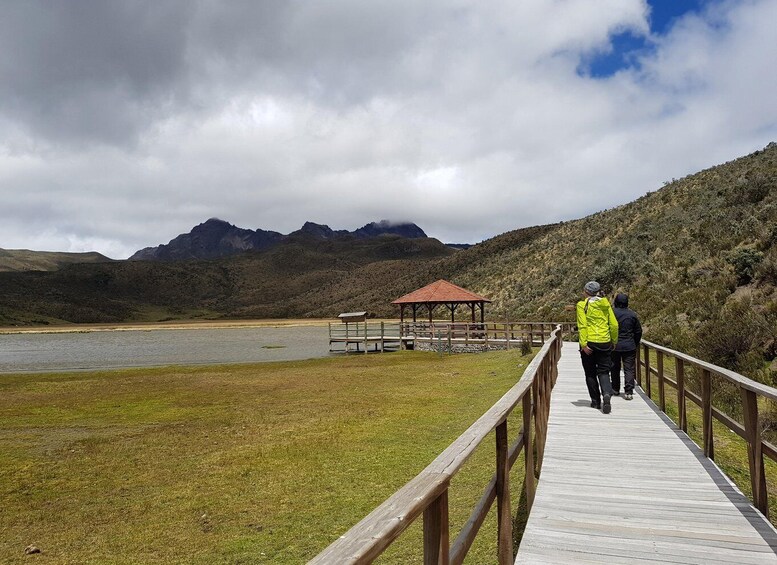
pixel 615 269
pixel 734 338
pixel 745 260
pixel 757 188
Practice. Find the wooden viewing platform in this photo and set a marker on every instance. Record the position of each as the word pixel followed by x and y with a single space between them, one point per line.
pixel 385 336
pixel 628 487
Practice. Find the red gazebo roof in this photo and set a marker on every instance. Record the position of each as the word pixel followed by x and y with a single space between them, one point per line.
pixel 440 292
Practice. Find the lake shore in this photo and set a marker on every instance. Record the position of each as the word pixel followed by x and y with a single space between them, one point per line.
pixel 170 325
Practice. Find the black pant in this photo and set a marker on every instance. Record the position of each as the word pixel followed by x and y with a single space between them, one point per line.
pixel 596 367
pixel 629 359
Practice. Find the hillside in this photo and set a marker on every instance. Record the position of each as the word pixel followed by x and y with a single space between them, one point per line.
pixel 26 260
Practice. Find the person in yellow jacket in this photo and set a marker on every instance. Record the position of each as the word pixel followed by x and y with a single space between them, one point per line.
pixel 598 330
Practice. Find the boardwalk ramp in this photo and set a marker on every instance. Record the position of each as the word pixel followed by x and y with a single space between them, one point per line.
pixel 630 487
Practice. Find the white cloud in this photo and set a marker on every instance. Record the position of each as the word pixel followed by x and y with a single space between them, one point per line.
pixel 469 118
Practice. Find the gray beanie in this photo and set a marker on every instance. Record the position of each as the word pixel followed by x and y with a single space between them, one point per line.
pixel 592 287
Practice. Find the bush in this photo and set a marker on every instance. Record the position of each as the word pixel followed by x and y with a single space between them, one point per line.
pixel 745 260
pixel 734 338
pixel 614 270
pixel 757 188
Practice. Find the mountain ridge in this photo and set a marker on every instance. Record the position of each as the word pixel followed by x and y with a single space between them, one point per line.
pixel 217 238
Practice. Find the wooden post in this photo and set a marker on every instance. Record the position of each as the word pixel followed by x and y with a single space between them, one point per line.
pixel 436 532
pixel 755 456
pixel 681 413
pixel 648 377
pixel 638 366
pixel 706 411
pixel 542 333
pixel 466 335
pixel 504 515
pixel 661 397
pixel 539 415
pixel 528 450
pixel 450 347
pixel 531 334
pixel 366 342
pixel 382 336
pixel 485 328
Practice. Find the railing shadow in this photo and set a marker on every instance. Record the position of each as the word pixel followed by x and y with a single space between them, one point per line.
pixel 741 502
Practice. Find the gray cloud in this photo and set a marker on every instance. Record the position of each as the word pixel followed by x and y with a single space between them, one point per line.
pixel 124 124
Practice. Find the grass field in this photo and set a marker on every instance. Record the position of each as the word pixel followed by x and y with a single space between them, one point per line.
pixel 234 464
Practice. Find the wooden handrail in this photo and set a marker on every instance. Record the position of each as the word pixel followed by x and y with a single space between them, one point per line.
pixel 750 430
pixel 743 382
pixel 427 492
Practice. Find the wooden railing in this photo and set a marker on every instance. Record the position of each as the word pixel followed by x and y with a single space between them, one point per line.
pixel 357 330
pixel 750 391
pixel 427 493
pixel 497 332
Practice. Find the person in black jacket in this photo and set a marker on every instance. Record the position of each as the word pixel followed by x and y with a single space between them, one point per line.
pixel 629 336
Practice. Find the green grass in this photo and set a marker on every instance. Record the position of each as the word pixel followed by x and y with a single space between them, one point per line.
pixel 235 464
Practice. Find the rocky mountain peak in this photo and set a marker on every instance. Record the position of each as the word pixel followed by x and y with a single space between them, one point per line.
pixel 218 238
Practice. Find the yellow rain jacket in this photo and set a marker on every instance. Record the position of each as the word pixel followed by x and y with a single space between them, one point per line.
pixel 596 321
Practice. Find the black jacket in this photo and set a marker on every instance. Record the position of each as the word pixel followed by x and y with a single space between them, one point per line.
pixel 629 329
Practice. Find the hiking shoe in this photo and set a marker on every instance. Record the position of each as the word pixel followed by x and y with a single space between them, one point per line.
pixel 616 392
pixel 628 396
pixel 595 404
pixel 606 406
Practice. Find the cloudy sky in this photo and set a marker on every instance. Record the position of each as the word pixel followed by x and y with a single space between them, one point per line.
pixel 125 123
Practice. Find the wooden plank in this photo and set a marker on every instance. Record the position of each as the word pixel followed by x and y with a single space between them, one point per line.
pixel 706 411
pixel 503 514
pixel 528 483
pixel 660 372
pixel 755 450
pixel 436 530
pixel 681 408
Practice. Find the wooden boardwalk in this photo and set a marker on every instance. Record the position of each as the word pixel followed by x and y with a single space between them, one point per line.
pixel 629 487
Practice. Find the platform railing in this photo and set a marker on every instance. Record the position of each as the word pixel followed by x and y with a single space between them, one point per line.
pixel 485 332
pixel 653 362
pixel 427 493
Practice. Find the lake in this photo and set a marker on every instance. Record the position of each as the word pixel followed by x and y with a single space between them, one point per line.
pixel 36 352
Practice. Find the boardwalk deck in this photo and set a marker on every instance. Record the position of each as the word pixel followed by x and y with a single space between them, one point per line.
pixel 629 487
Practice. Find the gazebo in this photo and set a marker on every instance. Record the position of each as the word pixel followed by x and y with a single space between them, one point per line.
pixel 439 293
